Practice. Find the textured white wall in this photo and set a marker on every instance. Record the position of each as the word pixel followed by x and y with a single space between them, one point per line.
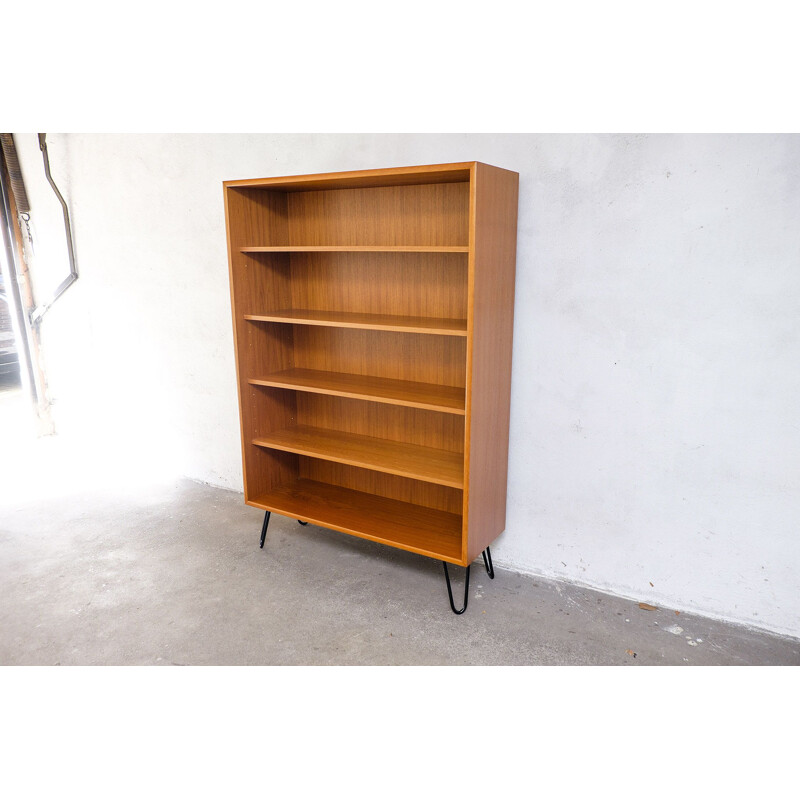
pixel 656 379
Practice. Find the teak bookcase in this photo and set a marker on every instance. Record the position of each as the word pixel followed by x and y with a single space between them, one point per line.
pixel 372 317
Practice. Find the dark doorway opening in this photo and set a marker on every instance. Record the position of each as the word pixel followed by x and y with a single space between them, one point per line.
pixel 10 379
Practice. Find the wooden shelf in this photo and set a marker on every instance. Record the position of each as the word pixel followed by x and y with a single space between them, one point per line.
pixel 395 176
pixel 336 248
pixel 379 322
pixel 410 527
pixel 449 399
pixel 420 463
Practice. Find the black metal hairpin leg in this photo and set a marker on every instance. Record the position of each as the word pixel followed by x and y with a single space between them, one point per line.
pixel 487 560
pixel 450 591
pixel 301 522
pixel 264 528
pixel 489 566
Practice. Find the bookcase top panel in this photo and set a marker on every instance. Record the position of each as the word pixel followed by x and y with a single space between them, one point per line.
pixel 395 176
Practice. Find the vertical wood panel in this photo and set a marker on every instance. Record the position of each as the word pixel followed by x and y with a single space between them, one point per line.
pixel 407 284
pixel 382 421
pixel 430 214
pixel 264 347
pixel 384 354
pixel 429 495
pixel 490 331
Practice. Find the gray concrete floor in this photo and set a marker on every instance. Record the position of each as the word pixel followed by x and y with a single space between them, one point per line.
pixel 172 574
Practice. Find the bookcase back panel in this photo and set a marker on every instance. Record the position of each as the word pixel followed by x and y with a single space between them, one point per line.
pixel 429 214
pixel 384 354
pixel 382 421
pixel 407 490
pixel 409 284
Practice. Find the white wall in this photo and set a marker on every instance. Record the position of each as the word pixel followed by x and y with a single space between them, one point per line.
pixel 656 381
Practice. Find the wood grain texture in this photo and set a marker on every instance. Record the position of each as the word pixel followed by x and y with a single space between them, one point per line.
pixel 392 176
pixel 426 215
pixel 396 423
pixel 347 319
pixel 394 487
pixel 427 531
pixel 259 218
pixel 492 266
pixel 407 284
pixel 449 399
pixel 383 354
pixel 395 458
pixel 259 349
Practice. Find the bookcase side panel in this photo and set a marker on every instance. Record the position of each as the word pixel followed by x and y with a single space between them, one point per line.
pixel 259 348
pixel 257 217
pixel 491 324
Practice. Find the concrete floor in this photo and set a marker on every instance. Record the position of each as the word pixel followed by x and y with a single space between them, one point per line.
pixel 172 574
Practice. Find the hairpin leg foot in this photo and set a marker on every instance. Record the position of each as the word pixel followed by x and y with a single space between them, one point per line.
pixel 264 528
pixel 487 560
pixel 450 590
pixel 301 522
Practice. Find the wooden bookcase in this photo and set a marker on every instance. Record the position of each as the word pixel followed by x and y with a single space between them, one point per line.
pixel 372 317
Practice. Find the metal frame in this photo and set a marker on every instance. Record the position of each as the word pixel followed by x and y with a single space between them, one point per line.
pixel 40 310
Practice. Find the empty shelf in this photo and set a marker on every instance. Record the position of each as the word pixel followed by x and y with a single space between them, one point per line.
pixel 382 455
pixel 351 248
pixel 348 319
pixel 449 399
pixel 410 527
